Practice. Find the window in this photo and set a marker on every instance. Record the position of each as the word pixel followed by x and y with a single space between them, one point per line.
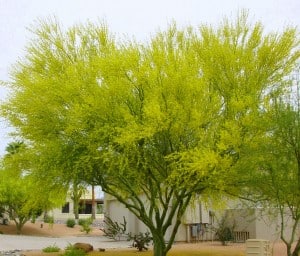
pixel 85 208
pixel 66 208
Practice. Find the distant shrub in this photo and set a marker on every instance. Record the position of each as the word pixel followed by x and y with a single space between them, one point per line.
pixel 49 219
pixel 224 231
pixel 70 223
pixel 81 222
pixel 86 225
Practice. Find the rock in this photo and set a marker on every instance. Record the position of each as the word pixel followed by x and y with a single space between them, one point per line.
pixel 84 247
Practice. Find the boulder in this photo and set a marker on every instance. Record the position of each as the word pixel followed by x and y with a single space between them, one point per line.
pixel 84 247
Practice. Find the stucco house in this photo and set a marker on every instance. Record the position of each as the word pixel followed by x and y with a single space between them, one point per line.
pixel 200 221
pixel 85 207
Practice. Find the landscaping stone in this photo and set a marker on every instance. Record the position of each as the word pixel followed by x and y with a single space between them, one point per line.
pixel 84 246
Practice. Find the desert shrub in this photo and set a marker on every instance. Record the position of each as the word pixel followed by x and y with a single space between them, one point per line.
pixel 224 231
pixel 51 248
pixel 141 241
pixel 70 223
pixel 113 229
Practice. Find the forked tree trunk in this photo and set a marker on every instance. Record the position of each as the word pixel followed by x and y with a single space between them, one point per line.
pixel 296 251
pixel 159 246
pixel 19 225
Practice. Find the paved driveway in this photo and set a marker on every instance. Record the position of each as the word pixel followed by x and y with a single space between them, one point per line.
pixel 21 242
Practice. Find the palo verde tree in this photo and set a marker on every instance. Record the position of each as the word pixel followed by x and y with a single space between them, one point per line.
pixel 153 124
pixel 178 131
pixel 156 105
pixel 20 197
pixel 274 154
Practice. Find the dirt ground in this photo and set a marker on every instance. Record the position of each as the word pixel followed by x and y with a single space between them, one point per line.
pixel 61 230
pixel 54 230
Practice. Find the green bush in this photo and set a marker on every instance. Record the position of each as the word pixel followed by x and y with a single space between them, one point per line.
pixel 51 248
pixel 49 219
pixel 70 223
pixel 69 247
pixel 86 225
pixel 81 222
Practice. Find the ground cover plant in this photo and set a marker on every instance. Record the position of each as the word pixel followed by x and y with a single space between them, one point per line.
pixel 51 248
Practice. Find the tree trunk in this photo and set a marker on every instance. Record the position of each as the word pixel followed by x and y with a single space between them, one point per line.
pixel 159 245
pixel 19 228
pixel 296 251
pixel 76 209
pixel 288 252
pixel 19 225
pixel 93 203
pixel 76 199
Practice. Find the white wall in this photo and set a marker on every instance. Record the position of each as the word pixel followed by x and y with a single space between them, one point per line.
pixel 195 213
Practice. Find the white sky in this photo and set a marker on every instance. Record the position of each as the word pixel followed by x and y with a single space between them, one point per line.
pixel 134 18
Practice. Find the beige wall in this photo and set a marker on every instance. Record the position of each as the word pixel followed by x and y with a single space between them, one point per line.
pixel 259 223
pixel 195 213
pixel 256 222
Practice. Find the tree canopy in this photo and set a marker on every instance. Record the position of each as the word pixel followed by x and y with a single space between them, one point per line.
pixel 21 197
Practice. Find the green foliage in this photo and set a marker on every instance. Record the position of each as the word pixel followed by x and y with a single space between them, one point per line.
pixel 49 219
pixel 81 222
pixel 224 230
pixel 70 250
pixel 273 161
pixel 17 198
pixel 69 247
pixel 51 248
pixel 100 209
pixel 86 225
pixel 141 241
pixel 71 223
pixel 74 252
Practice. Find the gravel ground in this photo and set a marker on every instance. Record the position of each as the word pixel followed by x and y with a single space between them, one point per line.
pixel 12 242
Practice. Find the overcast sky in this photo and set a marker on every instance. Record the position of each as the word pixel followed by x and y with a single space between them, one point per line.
pixel 133 18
